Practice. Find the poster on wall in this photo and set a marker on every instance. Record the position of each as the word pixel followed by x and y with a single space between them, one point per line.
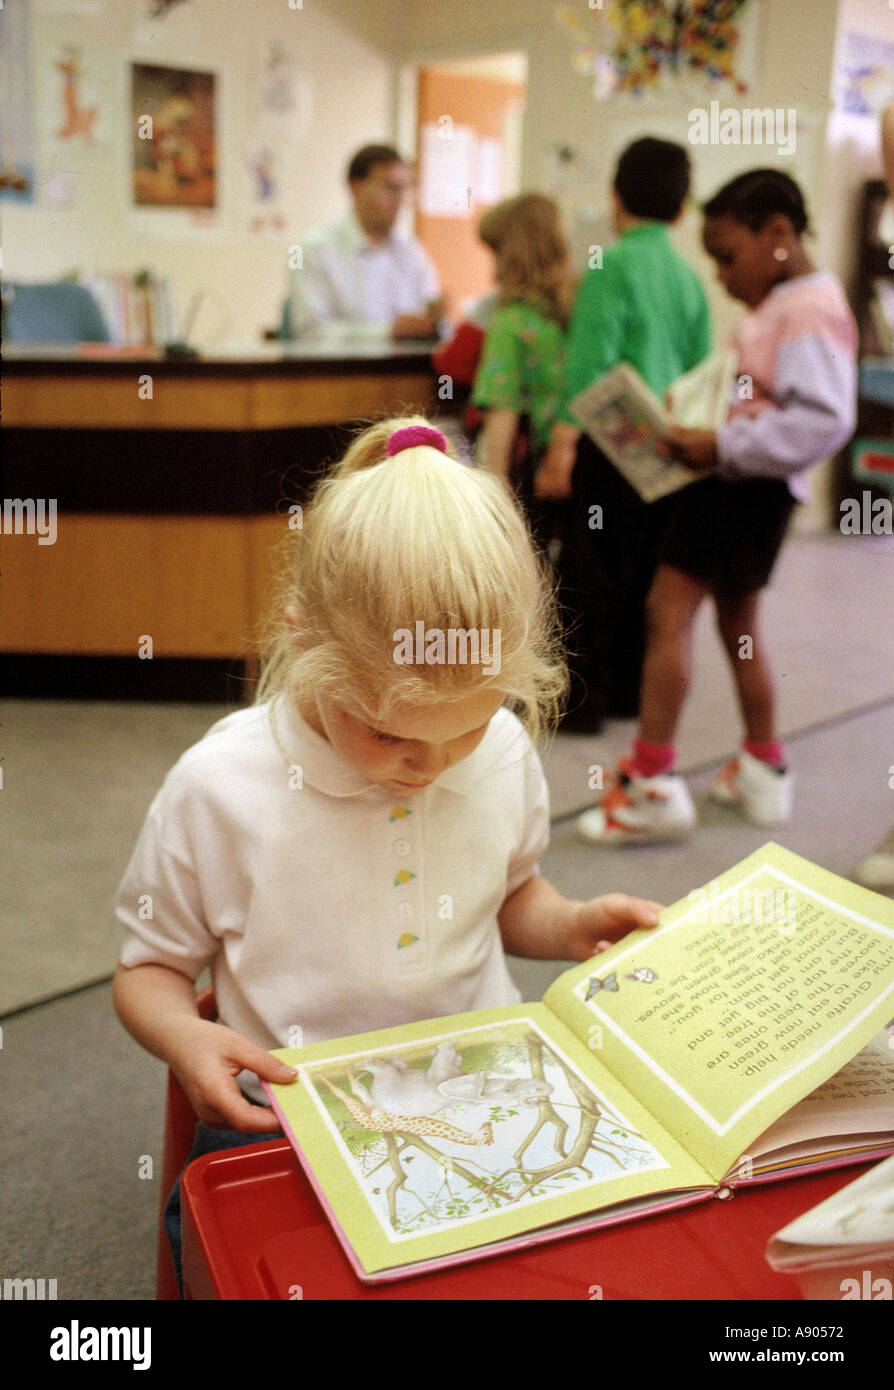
pixel 16 115
pixel 282 106
pixel 73 112
pixel 447 169
pixel 865 74
pixel 174 142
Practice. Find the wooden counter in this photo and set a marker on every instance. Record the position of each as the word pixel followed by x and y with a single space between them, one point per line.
pixel 172 481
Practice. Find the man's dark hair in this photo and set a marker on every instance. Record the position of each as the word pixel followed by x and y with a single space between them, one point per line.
pixel 365 160
pixel 652 178
pixel 755 197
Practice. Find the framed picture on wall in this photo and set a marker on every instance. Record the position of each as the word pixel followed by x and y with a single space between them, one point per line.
pixel 173 113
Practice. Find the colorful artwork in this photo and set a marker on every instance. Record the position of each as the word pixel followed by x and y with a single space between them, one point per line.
pixel 638 46
pixel 442 1134
pixel 174 145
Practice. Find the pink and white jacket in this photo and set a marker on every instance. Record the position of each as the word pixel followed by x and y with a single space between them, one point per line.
pixel 799 348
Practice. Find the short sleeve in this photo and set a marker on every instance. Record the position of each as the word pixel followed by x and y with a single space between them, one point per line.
pixel 160 906
pixel 535 835
pixel 499 381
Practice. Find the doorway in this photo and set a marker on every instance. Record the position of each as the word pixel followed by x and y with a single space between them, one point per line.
pixel 468 129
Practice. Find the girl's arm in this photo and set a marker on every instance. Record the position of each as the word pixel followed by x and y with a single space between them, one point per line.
pixel 538 922
pixel 815 387
pixel 497 439
pixel 157 1006
pixel 553 478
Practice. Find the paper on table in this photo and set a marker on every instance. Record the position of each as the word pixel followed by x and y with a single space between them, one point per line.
pixel 858 1218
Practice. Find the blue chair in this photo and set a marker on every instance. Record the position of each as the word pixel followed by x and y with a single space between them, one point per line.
pixel 55 313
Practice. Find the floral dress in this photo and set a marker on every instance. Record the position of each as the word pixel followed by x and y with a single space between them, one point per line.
pixel 522 367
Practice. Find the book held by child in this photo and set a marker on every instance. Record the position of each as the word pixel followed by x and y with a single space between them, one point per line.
pixel 678 1063
pixel 626 419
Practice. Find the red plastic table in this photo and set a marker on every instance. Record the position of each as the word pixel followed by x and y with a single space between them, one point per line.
pixel 253 1229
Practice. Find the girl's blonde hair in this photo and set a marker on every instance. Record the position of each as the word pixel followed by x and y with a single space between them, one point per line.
pixel 533 263
pixel 389 542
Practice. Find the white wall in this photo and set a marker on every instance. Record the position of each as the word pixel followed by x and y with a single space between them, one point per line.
pixel 342 53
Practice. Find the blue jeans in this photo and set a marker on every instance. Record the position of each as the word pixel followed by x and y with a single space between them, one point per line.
pixel 206 1141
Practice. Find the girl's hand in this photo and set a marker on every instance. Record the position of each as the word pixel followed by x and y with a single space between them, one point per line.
pixel 554 482
pixel 206 1058
pixel 595 925
pixel 553 477
pixel 696 448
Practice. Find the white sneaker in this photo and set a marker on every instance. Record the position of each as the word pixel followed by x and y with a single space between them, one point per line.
pixel 877 869
pixel 762 792
pixel 639 810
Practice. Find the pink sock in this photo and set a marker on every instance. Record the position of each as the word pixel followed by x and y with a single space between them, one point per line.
pixel 652 759
pixel 770 751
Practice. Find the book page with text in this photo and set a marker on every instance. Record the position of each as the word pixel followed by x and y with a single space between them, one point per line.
pixel 751 994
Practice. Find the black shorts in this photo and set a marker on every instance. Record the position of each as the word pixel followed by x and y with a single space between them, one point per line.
pixel 725 533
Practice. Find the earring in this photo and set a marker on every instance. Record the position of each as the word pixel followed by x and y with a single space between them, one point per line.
pixel 780 254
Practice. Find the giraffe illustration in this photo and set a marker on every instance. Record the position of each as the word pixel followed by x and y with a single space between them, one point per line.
pixel 79 120
pixel 369 1116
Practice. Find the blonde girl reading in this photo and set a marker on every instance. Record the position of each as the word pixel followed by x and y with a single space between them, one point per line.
pixel 360 847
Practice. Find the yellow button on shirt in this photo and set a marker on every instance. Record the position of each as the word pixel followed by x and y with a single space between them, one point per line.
pixel 270 859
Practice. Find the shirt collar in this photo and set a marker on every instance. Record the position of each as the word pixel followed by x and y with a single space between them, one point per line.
pixel 358 240
pixel 647 228
pixel 812 278
pixel 325 770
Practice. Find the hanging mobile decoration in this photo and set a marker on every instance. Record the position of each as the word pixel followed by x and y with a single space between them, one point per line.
pixel 642 46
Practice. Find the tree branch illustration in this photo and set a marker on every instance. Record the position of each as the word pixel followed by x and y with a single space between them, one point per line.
pixel 546 1115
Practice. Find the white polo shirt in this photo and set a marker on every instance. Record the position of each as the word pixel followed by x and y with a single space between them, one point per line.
pixel 348 285
pixel 321 901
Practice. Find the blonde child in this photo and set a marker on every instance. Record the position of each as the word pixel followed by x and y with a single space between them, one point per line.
pixel 521 371
pixel 360 847
pixel 721 534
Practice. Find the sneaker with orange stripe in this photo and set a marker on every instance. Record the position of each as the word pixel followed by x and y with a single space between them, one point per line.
pixel 637 810
pixel 761 792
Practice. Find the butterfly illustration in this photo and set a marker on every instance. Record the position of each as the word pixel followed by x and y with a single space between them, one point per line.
pixel 644 975
pixel 594 985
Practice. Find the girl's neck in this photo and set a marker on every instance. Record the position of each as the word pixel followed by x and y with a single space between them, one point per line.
pixel 798 264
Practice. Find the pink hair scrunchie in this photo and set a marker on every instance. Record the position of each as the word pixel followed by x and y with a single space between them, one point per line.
pixel 412 435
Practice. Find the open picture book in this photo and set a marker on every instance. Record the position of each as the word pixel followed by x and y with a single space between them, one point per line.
pixel 742 1040
pixel 626 419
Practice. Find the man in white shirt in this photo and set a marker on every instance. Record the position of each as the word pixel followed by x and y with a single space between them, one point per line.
pixel 359 276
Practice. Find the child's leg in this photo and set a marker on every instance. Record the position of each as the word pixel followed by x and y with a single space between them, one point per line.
pixel 671 607
pixel 737 621
pixel 644 803
pixel 756 782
